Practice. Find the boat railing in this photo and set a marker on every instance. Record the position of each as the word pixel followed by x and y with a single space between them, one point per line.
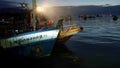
pixel 69 27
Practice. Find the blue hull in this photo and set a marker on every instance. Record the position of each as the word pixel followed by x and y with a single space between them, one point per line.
pixel 32 44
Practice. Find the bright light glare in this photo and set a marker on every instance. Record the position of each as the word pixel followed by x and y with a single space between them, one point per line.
pixel 40 9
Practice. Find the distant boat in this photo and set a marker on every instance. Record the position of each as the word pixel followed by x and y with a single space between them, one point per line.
pixel 83 17
pixel 18 40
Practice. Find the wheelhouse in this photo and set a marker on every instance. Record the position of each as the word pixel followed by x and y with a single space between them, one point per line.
pixel 14 20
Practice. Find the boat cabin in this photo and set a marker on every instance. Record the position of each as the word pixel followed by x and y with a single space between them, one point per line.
pixel 13 20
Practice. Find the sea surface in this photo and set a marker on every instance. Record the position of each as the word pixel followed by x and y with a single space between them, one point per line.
pixel 98 45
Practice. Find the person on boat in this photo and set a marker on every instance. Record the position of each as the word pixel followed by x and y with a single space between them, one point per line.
pixel 60 24
pixel 50 23
pixel 44 22
pixel 69 18
pixel 41 21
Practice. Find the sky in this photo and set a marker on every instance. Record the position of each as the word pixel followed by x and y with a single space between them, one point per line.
pixel 71 2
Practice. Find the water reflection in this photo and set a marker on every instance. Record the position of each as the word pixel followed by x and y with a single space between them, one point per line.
pixel 61 57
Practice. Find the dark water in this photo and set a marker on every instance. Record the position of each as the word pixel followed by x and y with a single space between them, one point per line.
pixel 98 46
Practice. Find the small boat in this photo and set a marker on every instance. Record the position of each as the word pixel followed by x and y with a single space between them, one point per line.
pixel 67 32
pixel 17 40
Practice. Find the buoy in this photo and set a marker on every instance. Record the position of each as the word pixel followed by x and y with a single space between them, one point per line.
pixel 81 28
pixel 115 18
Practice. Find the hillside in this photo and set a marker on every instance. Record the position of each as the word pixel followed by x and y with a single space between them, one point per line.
pixel 83 10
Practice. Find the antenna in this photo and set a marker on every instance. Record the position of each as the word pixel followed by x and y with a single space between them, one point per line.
pixel 108 6
pixel 34 14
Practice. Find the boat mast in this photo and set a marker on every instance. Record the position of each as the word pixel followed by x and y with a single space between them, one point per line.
pixel 34 14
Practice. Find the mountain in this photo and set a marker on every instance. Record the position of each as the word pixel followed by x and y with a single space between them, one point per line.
pixel 84 10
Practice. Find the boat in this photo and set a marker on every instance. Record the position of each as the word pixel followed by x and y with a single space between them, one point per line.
pixel 18 39
pixel 67 31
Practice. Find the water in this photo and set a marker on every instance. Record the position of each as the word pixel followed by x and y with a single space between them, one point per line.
pixel 98 46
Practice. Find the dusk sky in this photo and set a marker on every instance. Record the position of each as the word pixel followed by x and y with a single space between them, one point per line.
pixel 71 2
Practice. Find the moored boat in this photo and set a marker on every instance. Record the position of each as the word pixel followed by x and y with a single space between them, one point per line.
pixel 67 32
pixel 18 40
